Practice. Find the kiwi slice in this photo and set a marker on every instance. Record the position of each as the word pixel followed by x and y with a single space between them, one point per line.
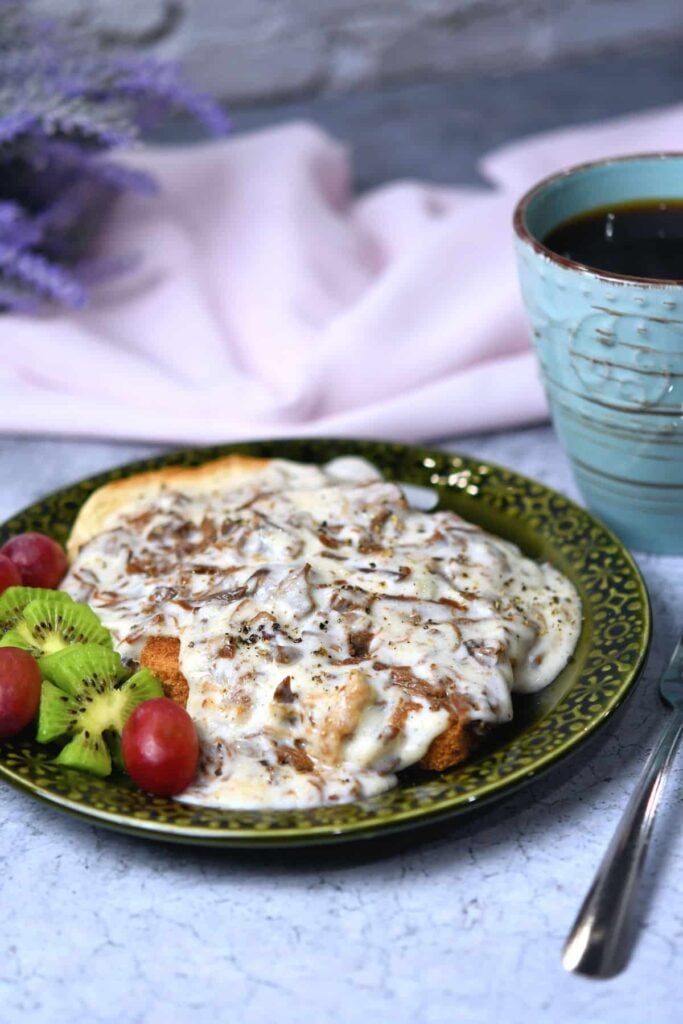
pixel 12 604
pixel 83 665
pixel 84 700
pixel 52 621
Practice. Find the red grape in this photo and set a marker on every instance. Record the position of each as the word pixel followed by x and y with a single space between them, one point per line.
pixel 39 559
pixel 19 690
pixel 160 747
pixel 9 574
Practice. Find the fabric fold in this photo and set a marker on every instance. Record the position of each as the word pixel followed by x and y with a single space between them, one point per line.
pixel 265 300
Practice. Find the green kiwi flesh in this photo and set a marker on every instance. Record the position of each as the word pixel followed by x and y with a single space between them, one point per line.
pixel 51 622
pixel 12 604
pixel 84 700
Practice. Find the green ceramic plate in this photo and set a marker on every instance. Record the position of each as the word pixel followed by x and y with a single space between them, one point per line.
pixel 547 526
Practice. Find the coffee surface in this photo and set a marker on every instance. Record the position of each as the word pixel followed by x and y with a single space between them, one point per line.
pixel 641 238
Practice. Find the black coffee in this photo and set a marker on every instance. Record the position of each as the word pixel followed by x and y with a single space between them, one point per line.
pixel 641 238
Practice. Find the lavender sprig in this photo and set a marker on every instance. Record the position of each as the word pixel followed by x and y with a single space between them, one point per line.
pixel 64 105
pixel 40 276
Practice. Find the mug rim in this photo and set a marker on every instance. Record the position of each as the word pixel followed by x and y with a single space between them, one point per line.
pixel 523 233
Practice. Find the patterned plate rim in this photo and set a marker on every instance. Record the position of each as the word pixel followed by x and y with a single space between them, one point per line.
pixel 482 491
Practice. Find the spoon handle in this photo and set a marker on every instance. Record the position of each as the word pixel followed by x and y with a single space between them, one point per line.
pixel 598 943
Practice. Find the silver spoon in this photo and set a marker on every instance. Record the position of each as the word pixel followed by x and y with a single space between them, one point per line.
pixel 599 941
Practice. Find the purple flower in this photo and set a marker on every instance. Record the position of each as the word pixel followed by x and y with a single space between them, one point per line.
pixel 94 167
pixel 14 125
pixel 163 84
pixel 17 228
pixel 45 279
pixel 64 105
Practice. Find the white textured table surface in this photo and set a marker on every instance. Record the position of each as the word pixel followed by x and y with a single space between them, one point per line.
pixel 463 925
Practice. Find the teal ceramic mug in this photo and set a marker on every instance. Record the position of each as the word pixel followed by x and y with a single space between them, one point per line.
pixel 610 348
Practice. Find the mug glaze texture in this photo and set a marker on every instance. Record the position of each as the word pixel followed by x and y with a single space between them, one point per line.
pixel 611 353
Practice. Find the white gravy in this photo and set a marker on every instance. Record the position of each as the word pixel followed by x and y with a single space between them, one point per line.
pixel 328 632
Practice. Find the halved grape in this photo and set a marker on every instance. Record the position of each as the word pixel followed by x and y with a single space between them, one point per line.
pixel 40 560
pixel 9 574
pixel 19 690
pixel 160 747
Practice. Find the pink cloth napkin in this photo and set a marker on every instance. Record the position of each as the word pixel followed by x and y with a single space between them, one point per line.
pixel 268 301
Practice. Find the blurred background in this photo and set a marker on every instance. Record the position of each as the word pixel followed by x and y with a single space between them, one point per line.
pixel 246 50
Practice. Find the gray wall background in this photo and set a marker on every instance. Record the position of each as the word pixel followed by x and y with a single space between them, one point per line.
pixel 254 49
